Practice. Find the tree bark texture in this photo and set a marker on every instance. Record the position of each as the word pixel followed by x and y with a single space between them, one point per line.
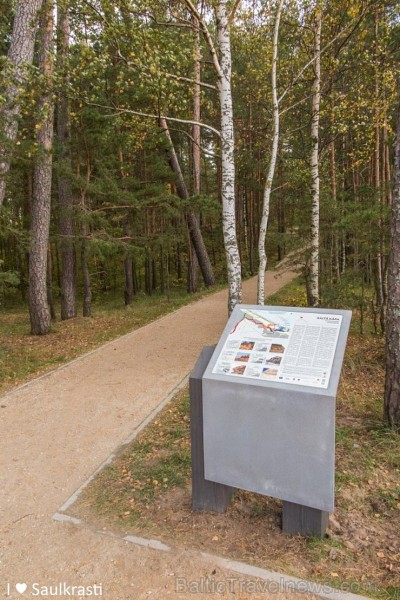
pixel 314 164
pixel 20 54
pixel 42 176
pixel 65 198
pixel 128 270
pixel 87 290
pixel 271 170
pixel 50 295
pixel 227 158
pixel 392 382
pixel 193 266
pixel 192 221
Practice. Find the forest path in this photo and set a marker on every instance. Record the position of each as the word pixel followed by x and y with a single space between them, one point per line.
pixel 57 429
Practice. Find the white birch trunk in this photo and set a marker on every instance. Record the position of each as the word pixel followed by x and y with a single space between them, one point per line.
pixel 193 266
pixel 20 54
pixel 314 164
pixel 271 170
pixel 227 159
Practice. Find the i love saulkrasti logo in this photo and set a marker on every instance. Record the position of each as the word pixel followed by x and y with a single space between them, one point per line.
pixel 21 587
pixel 59 589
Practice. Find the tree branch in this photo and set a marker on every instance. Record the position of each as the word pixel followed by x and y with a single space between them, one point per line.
pixel 207 36
pixel 118 111
pixel 191 138
pixel 188 80
pixel 351 26
pixel 233 11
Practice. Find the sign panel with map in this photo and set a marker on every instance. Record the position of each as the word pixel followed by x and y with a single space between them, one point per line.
pixel 281 346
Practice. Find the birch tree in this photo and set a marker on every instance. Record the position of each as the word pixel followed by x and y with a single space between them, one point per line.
pixel 222 62
pixel 42 176
pixel 313 291
pixel 19 56
pixel 271 170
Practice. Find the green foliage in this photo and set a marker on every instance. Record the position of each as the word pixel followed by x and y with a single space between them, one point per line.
pixel 8 279
pixel 132 58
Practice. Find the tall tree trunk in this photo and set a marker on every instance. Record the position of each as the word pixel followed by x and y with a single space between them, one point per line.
pixel 379 261
pixel 65 198
pixel 192 221
pixel 87 290
pixel 148 274
pixel 314 164
pixel 162 273
pixel 193 266
pixel 50 295
pixel 387 162
pixel 271 170
pixel 41 198
pixel 335 266
pixel 128 269
pixel 20 54
pixel 227 158
pixel 392 383
pixel 223 68
pixel 281 217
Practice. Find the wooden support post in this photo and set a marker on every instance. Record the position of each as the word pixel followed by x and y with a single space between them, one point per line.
pixel 304 520
pixel 206 495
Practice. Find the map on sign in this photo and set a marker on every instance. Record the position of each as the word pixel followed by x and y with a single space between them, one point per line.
pixel 281 346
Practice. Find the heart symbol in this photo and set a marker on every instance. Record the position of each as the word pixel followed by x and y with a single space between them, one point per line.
pixel 21 587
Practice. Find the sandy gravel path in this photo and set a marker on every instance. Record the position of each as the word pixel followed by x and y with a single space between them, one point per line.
pixel 56 430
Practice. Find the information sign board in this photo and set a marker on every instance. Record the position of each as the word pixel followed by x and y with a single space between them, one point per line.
pixel 281 346
pixel 269 394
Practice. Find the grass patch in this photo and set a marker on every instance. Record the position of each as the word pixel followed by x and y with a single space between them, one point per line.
pixel 23 356
pixel 147 490
pixel 156 462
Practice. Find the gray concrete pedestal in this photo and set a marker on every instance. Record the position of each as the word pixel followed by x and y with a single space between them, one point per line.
pixel 272 437
pixel 206 495
pixel 304 520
